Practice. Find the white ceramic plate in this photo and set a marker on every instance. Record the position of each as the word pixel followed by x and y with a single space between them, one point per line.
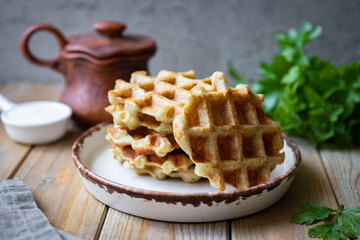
pixel 172 199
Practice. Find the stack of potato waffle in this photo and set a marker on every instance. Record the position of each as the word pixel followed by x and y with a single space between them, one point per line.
pixel 178 126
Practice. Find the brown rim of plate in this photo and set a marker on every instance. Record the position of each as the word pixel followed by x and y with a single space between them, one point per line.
pixel 173 198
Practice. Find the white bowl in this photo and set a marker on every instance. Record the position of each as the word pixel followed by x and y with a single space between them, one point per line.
pixel 36 122
pixel 172 199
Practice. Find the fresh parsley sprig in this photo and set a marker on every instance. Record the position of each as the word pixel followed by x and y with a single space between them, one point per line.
pixel 308 96
pixel 346 224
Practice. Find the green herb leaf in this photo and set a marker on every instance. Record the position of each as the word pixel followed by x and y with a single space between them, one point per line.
pixel 326 231
pixel 291 76
pixel 346 223
pixel 311 213
pixel 349 221
pixel 308 96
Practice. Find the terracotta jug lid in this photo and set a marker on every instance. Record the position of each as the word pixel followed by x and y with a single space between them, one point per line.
pixel 108 41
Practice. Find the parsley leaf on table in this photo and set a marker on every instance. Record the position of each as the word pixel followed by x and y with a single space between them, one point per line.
pixel 346 223
pixel 350 221
pixel 308 96
pixel 326 231
pixel 311 213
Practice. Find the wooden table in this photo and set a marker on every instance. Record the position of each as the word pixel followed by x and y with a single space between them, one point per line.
pixel 328 176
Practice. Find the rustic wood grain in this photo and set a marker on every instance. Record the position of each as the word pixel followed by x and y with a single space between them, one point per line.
pixel 51 176
pixel 310 184
pixel 12 153
pixel 49 172
pixel 23 92
pixel 343 169
pixel 120 225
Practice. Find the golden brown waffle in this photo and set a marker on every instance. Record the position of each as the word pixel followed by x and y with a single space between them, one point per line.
pixel 151 101
pixel 227 135
pixel 175 164
pixel 142 140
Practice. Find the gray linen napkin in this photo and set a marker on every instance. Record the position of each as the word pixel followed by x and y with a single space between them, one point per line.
pixel 20 218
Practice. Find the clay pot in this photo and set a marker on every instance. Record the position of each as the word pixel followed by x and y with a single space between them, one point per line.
pixel 91 63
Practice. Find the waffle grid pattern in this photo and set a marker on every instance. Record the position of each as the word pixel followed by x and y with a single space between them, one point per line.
pixel 152 101
pixel 227 135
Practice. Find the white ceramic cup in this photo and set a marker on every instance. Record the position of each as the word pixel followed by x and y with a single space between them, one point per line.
pixel 37 122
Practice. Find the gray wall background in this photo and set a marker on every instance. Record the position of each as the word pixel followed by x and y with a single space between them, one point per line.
pixel 199 35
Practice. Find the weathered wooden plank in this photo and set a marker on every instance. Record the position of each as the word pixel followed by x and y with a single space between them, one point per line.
pixel 310 184
pixel 11 153
pixel 23 92
pixel 49 172
pixel 51 176
pixel 2 86
pixel 120 225
pixel 343 169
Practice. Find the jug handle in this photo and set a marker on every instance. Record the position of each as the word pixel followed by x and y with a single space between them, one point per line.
pixel 24 45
